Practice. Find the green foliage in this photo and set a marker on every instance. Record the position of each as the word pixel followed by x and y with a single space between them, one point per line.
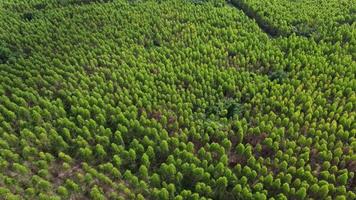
pixel 177 99
pixel 342 179
pixel 5 54
pixel 278 75
pixel 96 194
pixel 28 16
pixel 322 20
pixel 301 193
pixel 227 108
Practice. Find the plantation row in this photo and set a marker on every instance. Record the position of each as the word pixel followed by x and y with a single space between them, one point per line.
pixel 171 100
pixel 323 20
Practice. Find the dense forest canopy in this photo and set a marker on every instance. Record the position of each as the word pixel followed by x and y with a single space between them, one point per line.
pixel 177 99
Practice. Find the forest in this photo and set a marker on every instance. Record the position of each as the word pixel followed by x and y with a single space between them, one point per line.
pixel 177 99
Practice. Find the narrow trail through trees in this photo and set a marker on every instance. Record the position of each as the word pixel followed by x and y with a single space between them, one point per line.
pixel 265 27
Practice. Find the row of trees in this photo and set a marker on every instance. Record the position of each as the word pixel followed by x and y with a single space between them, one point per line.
pixel 170 100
